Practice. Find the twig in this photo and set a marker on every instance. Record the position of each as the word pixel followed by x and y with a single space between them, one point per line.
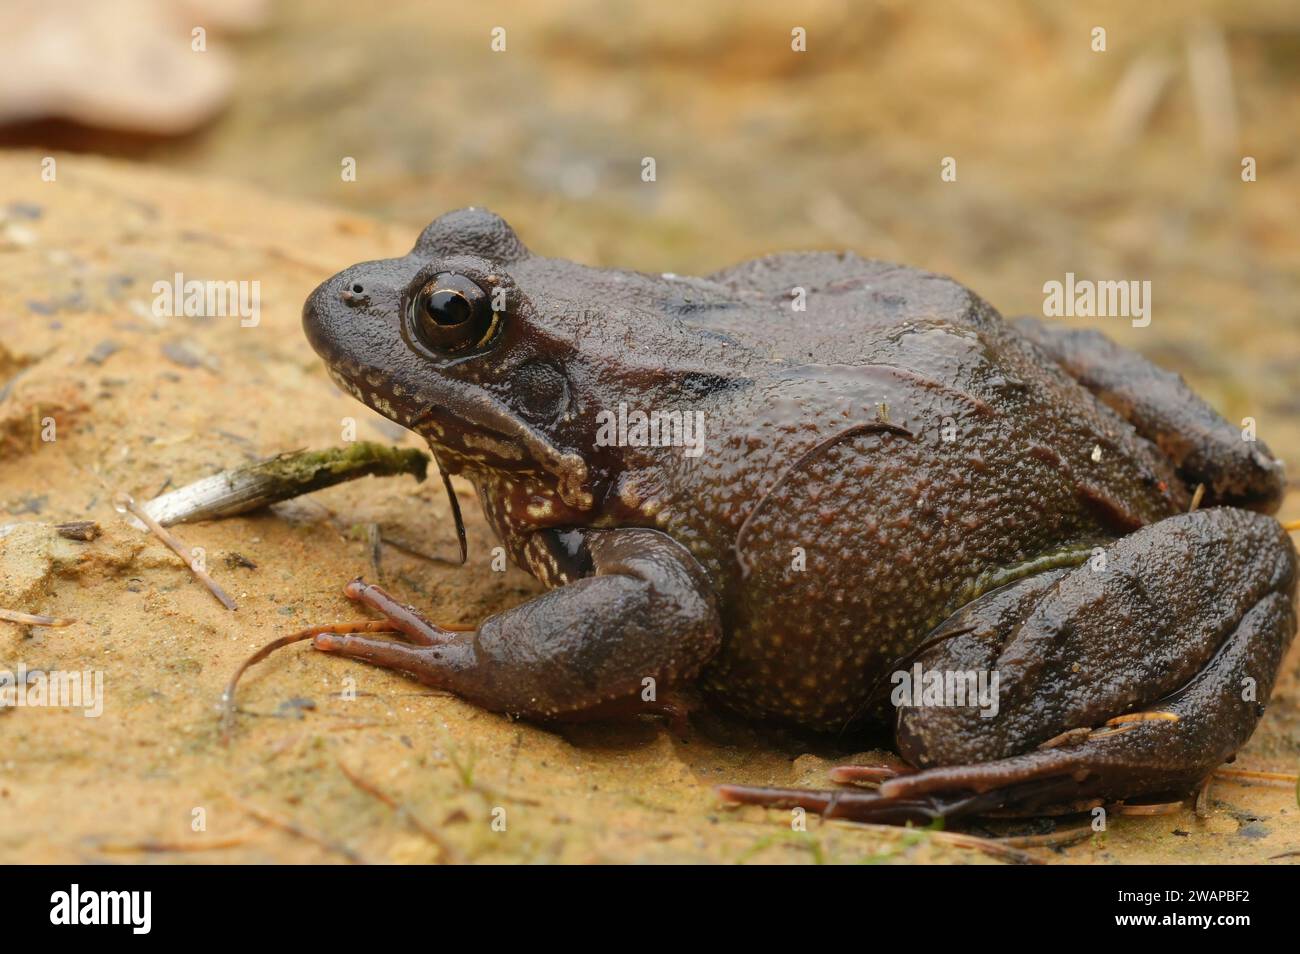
pixel 454 503
pixel 227 704
pixel 414 551
pixel 13 616
pixel 994 849
pixel 375 548
pixel 446 852
pixel 1212 89
pixel 179 548
pixel 1152 808
pixel 999 848
pixel 1055 839
pixel 1201 804
pixel 293 828
pixel 1136 97
pixel 158 847
pixel 84 530
pixel 282 477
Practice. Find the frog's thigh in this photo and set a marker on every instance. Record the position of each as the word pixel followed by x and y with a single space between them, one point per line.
pixel 646 613
pixel 1204 447
pixel 1186 620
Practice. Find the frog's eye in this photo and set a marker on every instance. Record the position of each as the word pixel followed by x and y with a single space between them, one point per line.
pixel 452 313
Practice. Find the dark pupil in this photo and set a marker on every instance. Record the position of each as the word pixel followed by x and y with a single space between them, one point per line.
pixel 447 307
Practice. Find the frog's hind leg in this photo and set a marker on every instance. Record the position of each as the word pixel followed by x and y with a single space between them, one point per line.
pixel 1132 676
pixel 1204 448
pixel 1166 749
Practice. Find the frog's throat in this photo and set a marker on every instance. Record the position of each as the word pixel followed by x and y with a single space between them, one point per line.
pixel 478 411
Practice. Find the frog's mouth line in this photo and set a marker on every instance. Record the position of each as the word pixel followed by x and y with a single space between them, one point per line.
pixel 473 410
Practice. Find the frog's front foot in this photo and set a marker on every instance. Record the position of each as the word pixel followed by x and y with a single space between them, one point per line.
pixel 433 656
pixel 1132 676
pixel 611 642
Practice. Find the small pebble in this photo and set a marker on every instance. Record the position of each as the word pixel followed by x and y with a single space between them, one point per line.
pixel 103 351
pixel 23 210
pixel 181 353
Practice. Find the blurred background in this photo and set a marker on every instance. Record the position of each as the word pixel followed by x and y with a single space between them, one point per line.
pixel 1122 163
pixel 1067 156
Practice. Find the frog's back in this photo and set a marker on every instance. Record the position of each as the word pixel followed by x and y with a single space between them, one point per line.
pixel 905 447
pixel 839 308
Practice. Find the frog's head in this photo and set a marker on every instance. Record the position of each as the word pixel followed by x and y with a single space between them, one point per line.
pixel 504 360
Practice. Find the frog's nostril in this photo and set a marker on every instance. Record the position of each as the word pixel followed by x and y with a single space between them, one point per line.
pixel 355 295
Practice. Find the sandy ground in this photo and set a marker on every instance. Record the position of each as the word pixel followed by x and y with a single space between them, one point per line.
pixel 755 153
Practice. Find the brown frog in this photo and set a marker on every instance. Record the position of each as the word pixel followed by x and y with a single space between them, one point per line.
pixel 802 480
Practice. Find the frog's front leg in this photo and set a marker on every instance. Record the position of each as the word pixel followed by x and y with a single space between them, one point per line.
pixel 646 611
pixel 1133 675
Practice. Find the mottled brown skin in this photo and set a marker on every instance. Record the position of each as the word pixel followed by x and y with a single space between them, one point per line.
pixel 894 474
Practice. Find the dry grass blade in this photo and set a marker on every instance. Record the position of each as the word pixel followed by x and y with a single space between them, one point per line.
pixel 1284 778
pixel 862 774
pixel 177 547
pixel 1153 716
